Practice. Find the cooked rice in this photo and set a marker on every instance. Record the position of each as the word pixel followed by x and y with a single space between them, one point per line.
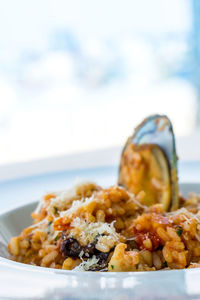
pixel 89 228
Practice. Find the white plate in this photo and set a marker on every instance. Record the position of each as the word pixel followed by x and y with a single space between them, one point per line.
pixel 20 281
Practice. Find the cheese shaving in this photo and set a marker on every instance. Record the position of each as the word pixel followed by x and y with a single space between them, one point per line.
pixel 87 264
pixel 76 205
pixel 89 231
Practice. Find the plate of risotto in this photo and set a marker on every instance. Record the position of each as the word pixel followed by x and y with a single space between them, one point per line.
pixel 115 237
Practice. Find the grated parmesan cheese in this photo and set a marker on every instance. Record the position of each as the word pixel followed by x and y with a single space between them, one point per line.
pixel 132 197
pixel 87 264
pixel 89 231
pixel 76 205
pixel 39 206
pixel 65 198
pixel 187 215
pixel 44 221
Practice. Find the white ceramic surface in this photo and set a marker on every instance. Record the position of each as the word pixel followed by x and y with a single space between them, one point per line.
pixel 20 281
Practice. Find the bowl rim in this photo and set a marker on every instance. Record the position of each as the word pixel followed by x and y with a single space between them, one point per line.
pixel 26 267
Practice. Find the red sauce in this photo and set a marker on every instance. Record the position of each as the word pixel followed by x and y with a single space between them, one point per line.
pixel 150 233
pixel 142 236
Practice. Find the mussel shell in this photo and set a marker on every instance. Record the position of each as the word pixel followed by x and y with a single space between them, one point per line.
pixel 157 130
pixel 145 168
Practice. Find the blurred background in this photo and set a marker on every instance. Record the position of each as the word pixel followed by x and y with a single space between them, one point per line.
pixel 77 75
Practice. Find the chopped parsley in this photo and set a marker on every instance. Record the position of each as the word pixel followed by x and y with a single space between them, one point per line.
pixel 179 231
pixel 57 237
pixel 55 210
pixel 49 227
pixel 165 264
pixel 112 266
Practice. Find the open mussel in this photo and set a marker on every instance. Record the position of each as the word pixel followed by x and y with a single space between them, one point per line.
pixel 149 163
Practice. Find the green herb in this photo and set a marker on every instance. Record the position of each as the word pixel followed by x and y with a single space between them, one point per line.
pixel 112 266
pixel 49 227
pixel 57 237
pixel 165 264
pixel 179 231
pixel 55 210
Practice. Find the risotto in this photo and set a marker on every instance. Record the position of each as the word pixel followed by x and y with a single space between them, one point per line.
pixel 141 224
pixel 89 228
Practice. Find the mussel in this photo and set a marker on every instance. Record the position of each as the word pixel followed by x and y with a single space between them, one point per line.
pixel 149 163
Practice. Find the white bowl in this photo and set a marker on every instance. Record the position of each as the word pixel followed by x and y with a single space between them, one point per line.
pixel 20 281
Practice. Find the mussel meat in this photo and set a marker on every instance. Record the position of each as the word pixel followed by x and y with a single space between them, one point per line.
pixel 149 163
